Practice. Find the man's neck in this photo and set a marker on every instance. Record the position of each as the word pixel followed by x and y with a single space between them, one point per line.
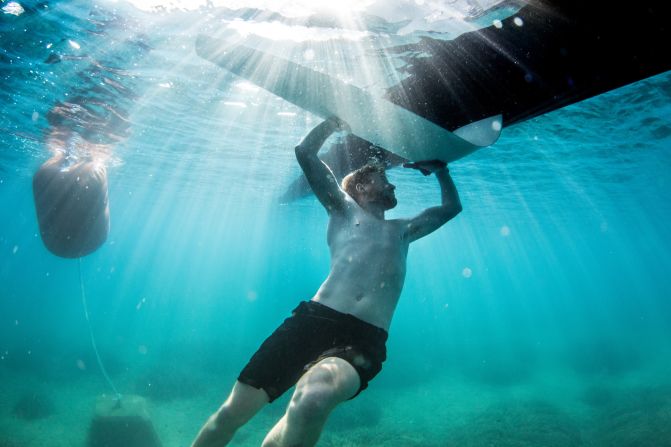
pixel 375 210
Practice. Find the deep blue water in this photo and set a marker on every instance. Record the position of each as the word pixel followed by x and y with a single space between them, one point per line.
pixel 539 316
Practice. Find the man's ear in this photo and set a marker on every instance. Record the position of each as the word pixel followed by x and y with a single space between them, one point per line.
pixel 359 187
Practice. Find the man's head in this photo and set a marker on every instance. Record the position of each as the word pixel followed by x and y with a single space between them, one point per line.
pixel 369 185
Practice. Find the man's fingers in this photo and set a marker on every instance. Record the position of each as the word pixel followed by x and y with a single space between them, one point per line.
pixel 417 166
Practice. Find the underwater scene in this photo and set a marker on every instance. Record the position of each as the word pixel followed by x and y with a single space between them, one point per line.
pixel 539 316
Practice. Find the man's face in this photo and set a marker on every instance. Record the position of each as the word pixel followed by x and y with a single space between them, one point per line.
pixel 379 190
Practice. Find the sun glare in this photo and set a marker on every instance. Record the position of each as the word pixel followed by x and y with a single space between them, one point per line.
pixel 291 8
pixel 295 33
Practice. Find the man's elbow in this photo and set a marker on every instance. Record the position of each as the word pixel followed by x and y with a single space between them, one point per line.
pixel 300 151
pixel 301 155
pixel 305 154
pixel 451 211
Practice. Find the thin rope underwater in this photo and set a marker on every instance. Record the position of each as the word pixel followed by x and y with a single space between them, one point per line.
pixel 93 339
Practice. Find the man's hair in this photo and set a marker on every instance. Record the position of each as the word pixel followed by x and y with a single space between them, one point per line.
pixel 360 175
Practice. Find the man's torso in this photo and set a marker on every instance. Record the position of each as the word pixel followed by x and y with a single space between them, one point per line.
pixel 368 265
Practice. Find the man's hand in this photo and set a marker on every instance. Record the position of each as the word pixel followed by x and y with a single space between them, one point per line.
pixel 426 167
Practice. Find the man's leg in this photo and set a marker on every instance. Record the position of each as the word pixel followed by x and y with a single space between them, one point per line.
pixel 243 403
pixel 328 383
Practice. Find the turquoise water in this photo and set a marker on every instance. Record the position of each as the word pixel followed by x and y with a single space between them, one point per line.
pixel 540 316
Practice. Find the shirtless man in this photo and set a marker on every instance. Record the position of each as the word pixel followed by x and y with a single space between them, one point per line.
pixel 334 344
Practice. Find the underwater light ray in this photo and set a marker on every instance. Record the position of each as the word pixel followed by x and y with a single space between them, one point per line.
pixel 166 174
pixel 544 219
pixel 183 168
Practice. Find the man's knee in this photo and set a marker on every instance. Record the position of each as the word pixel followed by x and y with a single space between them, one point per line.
pixel 312 404
pixel 324 386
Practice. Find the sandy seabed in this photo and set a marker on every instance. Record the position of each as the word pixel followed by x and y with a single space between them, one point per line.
pixel 553 407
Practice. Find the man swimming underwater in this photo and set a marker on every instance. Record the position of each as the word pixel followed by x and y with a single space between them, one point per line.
pixel 334 344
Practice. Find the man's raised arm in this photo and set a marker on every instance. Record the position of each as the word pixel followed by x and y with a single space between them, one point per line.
pixel 433 218
pixel 319 175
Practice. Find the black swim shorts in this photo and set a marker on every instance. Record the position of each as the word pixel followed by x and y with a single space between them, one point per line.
pixel 313 333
